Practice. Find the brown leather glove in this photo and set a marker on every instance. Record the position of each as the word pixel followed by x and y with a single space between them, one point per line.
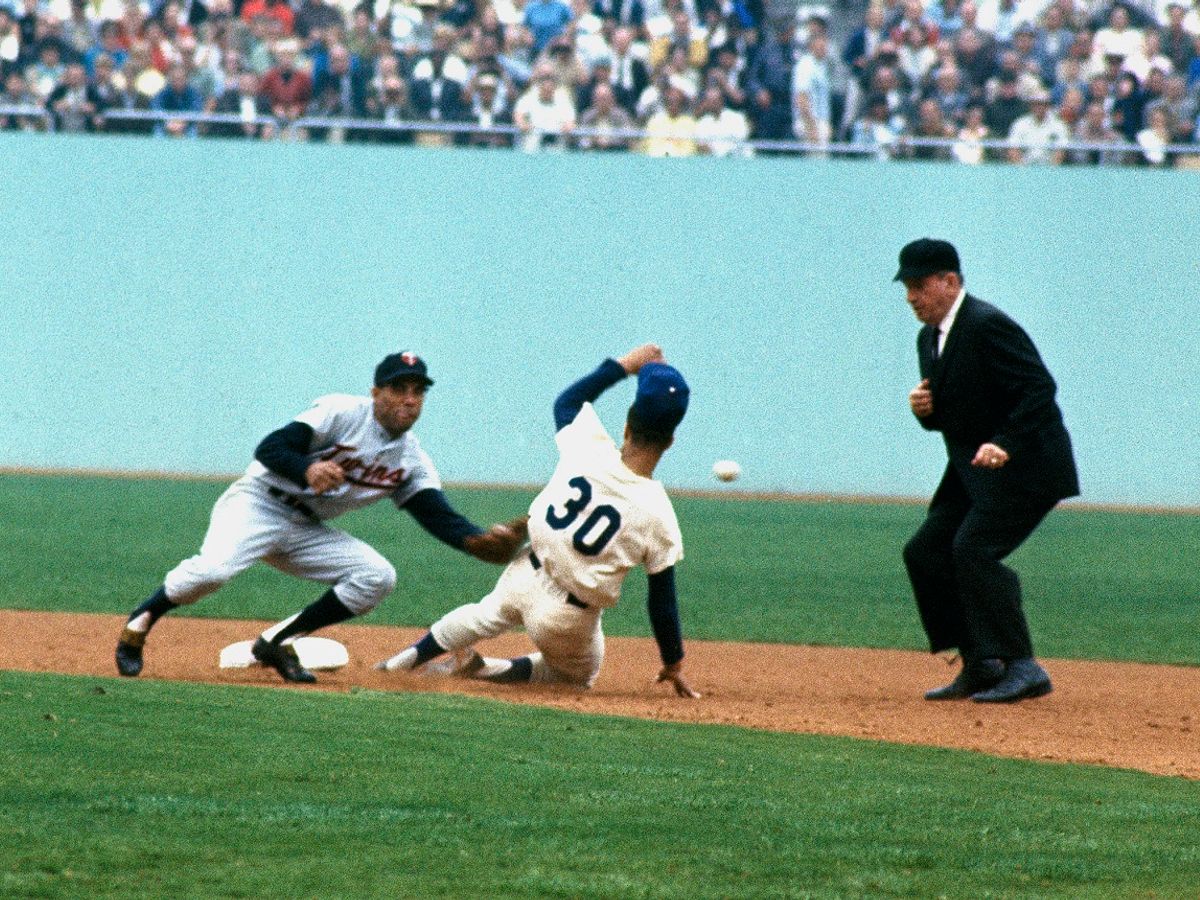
pixel 500 542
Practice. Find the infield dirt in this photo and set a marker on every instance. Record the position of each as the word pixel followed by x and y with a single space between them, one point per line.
pixel 1125 715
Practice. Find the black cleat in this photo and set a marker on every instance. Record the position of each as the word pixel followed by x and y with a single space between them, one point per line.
pixel 129 652
pixel 283 659
pixel 1024 680
pixel 976 676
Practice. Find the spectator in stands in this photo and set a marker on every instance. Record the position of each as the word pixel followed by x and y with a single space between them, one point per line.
pixel 968 147
pixel 607 118
pixel 46 72
pixel 1128 107
pixel 684 36
pixel 286 87
pixel 279 10
pixel 1118 38
pixel 812 93
pixel 873 133
pixel 725 73
pixel 1154 138
pixel 864 42
pixel 915 57
pixel 316 15
pixel 627 13
pixel 1052 42
pixel 546 20
pixel 78 32
pixel 1036 138
pixel 769 83
pixel 1181 107
pixel 948 93
pixel 177 96
pixel 488 106
pixel 1006 107
pixel 517 54
pixel 338 93
pixel 436 85
pixel 930 125
pixel 630 75
pixel 545 113
pixel 241 98
pixel 976 60
pixel 720 131
pixel 74 104
pixel 1093 128
pixel 10 42
pixel 569 70
pixel 1178 44
pixel 1000 18
pixel 111 89
pixel 946 17
pixel 672 130
pixel 17 94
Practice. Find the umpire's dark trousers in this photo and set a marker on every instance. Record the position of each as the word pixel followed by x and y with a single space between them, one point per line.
pixel 968 599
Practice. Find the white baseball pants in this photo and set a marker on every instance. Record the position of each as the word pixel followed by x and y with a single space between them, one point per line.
pixel 569 639
pixel 249 525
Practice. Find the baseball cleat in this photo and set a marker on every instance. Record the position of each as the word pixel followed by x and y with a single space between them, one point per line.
pixel 283 659
pixel 129 652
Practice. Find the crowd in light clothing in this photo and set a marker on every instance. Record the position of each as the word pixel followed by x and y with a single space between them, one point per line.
pixel 1053 81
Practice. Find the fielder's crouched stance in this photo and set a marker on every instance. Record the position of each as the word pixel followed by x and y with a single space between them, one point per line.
pixel 600 515
pixel 343 453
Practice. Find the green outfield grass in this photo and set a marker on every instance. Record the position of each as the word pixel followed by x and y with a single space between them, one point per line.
pixel 1099 585
pixel 116 788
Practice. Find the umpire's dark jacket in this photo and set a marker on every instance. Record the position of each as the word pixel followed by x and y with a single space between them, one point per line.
pixel 990 385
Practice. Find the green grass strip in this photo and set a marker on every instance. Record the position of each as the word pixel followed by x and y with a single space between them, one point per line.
pixel 1098 585
pixel 127 789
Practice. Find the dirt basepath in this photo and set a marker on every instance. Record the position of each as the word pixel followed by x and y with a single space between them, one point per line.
pixel 1114 714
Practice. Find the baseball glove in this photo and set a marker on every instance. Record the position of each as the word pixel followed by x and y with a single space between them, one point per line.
pixel 500 542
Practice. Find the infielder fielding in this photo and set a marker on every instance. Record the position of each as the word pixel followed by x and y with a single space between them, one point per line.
pixel 600 515
pixel 343 453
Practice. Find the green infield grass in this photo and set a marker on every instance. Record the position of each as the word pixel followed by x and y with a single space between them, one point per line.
pixel 1098 584
pixel 114 788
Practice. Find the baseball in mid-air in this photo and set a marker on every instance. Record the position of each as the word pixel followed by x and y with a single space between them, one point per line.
pixel 726 470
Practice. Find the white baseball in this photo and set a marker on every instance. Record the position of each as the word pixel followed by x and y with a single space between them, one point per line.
pixel 726 470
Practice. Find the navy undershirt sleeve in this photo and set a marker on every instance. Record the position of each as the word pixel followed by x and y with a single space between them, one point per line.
pixel 586 390
pixel 434 513
pixel 285 451
pixel 664 616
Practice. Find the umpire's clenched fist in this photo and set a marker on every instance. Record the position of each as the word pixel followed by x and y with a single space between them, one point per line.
pixel 920 399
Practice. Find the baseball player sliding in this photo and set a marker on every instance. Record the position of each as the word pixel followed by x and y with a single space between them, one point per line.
pixel 600 515
pixel 343 453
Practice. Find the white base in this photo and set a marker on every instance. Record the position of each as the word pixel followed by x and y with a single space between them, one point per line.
pixel 322 654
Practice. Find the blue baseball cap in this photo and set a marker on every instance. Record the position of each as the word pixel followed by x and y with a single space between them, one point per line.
pixel 661 399
pixel 401 366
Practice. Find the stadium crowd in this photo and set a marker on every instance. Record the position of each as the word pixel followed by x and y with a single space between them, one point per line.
pixel 1087 82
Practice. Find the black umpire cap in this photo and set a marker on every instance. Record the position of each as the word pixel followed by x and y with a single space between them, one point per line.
pixel 927 256
pixel 401 366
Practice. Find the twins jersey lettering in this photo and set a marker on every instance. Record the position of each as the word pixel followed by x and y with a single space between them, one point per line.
pixel 596 519
pixel 376 464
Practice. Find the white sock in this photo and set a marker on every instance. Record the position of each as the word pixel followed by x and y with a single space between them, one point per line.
pixel 402 661
pixel 269 634
pixel 493 667
pixel 140 624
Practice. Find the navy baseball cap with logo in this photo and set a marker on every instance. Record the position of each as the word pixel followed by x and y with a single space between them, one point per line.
pixel 927 256
pixel 401 366
pixel 661 399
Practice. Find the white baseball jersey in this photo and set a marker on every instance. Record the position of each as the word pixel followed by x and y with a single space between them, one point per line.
pixel 376 464
pixel 596 519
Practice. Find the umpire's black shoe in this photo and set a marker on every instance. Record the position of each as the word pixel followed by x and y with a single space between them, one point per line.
pixel 1023 680
pixel 129 653
pixel 283 659
pixel 976 675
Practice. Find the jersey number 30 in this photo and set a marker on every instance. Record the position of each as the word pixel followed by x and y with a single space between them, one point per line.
pixel 587 539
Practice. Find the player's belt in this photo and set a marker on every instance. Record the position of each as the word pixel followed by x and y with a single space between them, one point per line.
pixel 571 598
pixel 294 502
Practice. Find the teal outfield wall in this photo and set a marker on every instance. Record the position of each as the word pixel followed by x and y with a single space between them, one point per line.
pixel 166 304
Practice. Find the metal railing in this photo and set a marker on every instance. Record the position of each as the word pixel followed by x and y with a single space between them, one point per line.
pixel 1119 153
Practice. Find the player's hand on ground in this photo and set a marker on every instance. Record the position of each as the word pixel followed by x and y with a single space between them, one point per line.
pixel 500 542
pixel 920 399
pixel 675 676
pixel 633 361
pixel 324 475
pixel 990 456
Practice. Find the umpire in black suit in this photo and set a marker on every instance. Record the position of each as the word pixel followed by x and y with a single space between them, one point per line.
pixel 985 388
